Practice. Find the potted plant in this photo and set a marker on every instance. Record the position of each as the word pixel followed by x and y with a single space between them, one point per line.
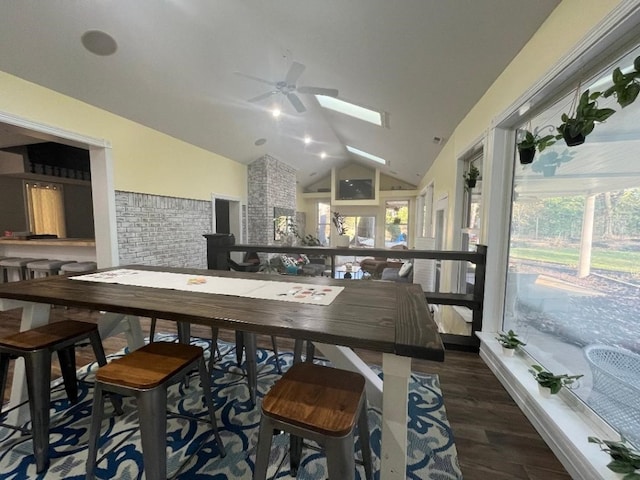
pixel 575 129
pixel 626 86
pixel 509 342
pixel 532 141
pixel 343 239
pixel 550 384
pixel 471 177
pixel 624 459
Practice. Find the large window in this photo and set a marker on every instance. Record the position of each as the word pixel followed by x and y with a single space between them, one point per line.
pixel 324 222
pixel 396 223
pixel 573 281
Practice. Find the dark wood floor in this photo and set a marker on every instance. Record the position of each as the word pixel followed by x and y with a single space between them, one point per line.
pixel 493 438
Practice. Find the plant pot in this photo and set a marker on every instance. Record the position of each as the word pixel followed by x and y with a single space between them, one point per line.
pixel 508 352
pixel 343 241
pixel 549 170
pixel 471 183
pixel 544 391
pixel 526 155
pixel 573 141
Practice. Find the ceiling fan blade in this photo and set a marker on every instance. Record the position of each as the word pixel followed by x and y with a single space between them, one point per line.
pixel 261 97
pixel 294 73
pixel 329 92
pixel 295 101
pixel 257 79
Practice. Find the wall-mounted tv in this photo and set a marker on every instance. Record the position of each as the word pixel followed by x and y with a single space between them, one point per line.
pixel 361 189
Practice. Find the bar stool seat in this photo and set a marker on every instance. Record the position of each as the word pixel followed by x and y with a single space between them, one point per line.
pixel 45 268
pixel 36 347
pixel 322 404
pixel 17 265
pixel 78 267
pixel 146 373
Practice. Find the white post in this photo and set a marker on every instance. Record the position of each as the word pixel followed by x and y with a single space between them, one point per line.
pixel 586 239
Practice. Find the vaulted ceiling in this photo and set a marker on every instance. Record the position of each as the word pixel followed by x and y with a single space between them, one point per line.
pixel 424 62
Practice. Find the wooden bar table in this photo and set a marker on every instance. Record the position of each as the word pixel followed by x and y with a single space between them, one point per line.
pixel 387 317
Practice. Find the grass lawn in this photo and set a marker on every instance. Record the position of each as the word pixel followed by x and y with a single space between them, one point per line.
pixel 601 259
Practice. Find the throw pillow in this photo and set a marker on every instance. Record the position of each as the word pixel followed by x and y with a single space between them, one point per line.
pixel 405 269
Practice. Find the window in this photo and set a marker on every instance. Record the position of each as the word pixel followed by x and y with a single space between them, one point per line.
pixel 324 222
pixel 573 279
pixel 396 223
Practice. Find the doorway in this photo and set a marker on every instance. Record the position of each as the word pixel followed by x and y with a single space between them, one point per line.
pixel 227 218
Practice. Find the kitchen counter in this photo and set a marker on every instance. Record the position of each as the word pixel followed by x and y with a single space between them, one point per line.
pixel 77 249
pixel 58 242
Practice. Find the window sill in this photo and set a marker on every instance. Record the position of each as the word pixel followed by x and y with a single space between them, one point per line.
pixel 562 421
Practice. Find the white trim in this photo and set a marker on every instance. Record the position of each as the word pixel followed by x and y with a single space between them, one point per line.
pixel 563 427
pixel 49 130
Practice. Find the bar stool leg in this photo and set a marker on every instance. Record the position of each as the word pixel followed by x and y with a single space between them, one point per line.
pixel 214 348
pixel 265 436
pixel 67 359
pixel 94 430
pixel 239 346
pixel 252 366
pixel 98 351
pixel 152 412
pixel 206 389
pixel 340 459
pixel 298 345
pixel 295 453
pixel 274 344
pixel 38 364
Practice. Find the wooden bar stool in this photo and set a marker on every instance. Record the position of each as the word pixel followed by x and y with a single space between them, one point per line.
pixel 36 346
pixel 321 404
pixel 44 268
pixel 146 373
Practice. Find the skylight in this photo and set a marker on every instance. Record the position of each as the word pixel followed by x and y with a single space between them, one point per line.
pixel 366 155
pixel 353 110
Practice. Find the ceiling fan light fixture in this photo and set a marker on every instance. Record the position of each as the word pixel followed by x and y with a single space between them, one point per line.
pixel 307 139
pixel 276 112
pixel 367 155
pixel 323 155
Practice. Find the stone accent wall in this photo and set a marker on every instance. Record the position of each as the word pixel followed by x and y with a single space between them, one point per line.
pixel 271 183
pixel 162 231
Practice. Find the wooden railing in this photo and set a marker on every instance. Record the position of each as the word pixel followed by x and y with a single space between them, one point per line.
pixel 218 258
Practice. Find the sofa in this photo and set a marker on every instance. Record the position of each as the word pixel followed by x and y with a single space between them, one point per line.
pixel 402 274
pixel 374 266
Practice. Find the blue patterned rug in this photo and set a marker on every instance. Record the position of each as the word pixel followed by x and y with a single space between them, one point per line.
pixel 192 453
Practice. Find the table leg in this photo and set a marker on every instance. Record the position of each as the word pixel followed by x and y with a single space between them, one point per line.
pixel 396 371
pixel 111 324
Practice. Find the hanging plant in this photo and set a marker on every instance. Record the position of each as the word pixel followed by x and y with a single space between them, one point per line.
pixel 626 86
pixel 471 177
pixel 532 141
pixel 586 113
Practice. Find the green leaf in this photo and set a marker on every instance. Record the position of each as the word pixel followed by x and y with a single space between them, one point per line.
pixel 636 64
pixel 618 466
pixel 604 113
pixel 629 95
pixel 617 76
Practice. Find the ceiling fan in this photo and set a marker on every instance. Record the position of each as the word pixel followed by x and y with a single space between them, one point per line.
pixel 288 87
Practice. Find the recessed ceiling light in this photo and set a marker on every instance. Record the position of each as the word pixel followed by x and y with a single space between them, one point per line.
pixel 260 141
pixel 323 155
pixel 307 139
pixel 276 112
pixel 99 43
pixel 368 156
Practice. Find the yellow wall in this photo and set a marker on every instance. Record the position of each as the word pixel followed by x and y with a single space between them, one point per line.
pixel 565 27
pixel 144 160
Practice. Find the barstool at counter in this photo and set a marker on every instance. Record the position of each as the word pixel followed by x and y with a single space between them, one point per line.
pixel 78 267
pixel 44 268
pixel 15 265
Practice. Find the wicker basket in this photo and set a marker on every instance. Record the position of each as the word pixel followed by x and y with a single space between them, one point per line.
pixel 616 387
